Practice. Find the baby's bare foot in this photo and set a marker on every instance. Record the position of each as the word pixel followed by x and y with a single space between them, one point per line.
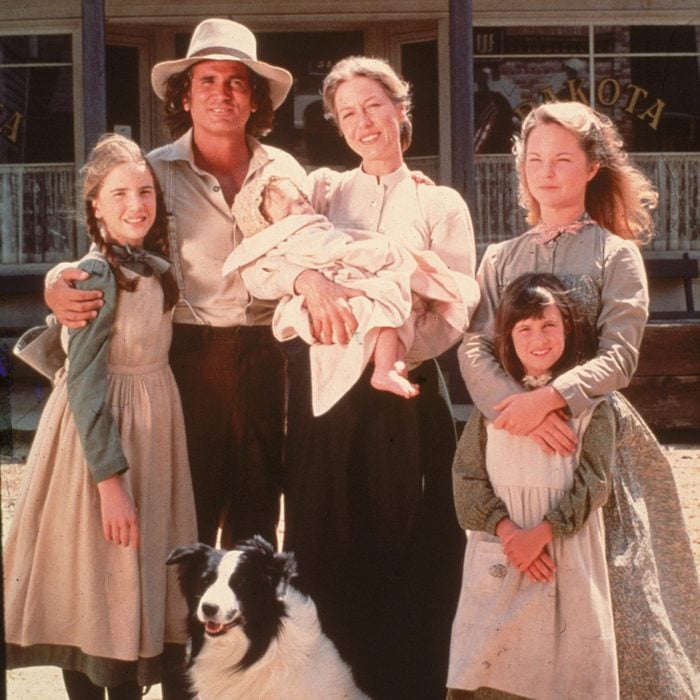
pixel 394 382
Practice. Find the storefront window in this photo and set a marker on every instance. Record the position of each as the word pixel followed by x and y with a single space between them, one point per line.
pixel 123 108
pixel 36 99
pixel 646 78
pixel 37 149
pixel 300 126
pixel 419 61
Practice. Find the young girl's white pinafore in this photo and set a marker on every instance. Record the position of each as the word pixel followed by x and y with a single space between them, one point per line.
pixel 540 640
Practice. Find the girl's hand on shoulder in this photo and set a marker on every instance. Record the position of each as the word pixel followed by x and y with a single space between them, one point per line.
pixel 119 518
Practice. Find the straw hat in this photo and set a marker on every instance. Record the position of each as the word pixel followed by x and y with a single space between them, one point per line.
pixel 224 40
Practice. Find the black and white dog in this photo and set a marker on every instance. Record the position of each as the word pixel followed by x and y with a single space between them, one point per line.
pixel 253 635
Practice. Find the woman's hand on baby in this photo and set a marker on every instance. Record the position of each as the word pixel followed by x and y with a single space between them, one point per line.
pixel 119 519
pixel 332 319
pixel 73 308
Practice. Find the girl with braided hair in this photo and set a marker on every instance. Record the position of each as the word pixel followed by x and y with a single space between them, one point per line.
pixel 107 491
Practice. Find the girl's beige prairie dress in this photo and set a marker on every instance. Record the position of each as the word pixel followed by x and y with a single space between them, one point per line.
pixel 73 599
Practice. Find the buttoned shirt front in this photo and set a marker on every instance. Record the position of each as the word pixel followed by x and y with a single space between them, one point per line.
pixel 206 233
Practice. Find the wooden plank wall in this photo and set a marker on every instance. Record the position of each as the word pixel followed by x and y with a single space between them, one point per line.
pixel 666 387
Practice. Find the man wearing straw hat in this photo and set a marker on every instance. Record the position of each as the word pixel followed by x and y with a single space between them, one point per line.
pixel 228 367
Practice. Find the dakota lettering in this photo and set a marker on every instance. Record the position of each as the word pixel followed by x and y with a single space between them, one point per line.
pixel 10 125
pixel 636 92
pixel 576 94
pixel 654 113
pixel 608 91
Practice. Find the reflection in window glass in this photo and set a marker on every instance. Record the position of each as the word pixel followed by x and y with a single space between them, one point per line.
pixel 300 125
pixel 506 90
pixel 496 97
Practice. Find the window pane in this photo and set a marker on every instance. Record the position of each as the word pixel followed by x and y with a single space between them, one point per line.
pixel 663 39
pixel 419 68
pixel 122 68
pixel 36 115
pixel 655 101
pixel 46 48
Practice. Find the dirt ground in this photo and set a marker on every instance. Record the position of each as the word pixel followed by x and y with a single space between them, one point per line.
pixel 44 683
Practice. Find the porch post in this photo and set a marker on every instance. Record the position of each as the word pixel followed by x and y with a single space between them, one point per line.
pixel 94 87
pixel 462 133
pixel 462 99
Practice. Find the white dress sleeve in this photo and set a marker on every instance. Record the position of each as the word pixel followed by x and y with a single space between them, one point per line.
pixel 451 238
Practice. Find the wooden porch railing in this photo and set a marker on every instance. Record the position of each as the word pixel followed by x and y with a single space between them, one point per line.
pixel 37 214
pixel 677 177
pixel 38 222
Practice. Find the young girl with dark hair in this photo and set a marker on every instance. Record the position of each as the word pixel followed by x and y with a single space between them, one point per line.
pixel 535 613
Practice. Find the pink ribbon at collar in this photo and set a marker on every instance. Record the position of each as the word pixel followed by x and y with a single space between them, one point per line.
pixel 548 232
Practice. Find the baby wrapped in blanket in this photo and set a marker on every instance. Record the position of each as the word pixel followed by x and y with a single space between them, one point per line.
pixel 392 283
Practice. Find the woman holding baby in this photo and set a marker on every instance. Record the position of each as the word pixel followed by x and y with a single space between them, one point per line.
pixel 368 502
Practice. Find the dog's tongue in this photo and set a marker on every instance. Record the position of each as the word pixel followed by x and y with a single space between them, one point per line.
pixel 213 628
